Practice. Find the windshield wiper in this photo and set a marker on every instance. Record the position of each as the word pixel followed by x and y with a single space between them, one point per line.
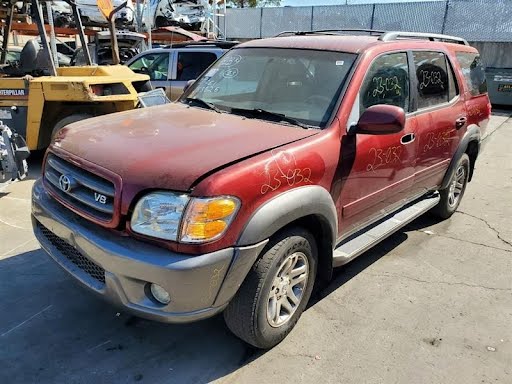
pixel 279 117
pixel 202 103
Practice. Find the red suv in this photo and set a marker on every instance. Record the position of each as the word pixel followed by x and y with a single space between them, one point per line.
pixel 287 158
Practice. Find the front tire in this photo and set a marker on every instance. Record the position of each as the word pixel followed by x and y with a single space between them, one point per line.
pixel 276 290
pixel 452 195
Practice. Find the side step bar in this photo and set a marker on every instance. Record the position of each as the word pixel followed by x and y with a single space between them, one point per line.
pixel 365 239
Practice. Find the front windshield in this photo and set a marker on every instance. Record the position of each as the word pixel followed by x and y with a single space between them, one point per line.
pixel 298 84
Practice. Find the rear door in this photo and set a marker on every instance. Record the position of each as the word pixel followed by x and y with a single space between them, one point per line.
pixel 188 65
pixel 441 116
pixel 478 105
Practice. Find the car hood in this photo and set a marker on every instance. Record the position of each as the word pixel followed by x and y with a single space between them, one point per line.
pixel 173 145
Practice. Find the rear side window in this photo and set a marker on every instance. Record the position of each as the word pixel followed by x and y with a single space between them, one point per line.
pixel 474 72
pixel 387 82
pixel 192 64
pixel 435 79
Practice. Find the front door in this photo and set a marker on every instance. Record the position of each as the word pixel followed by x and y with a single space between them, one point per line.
pixel 157 66
pixel 441 115
pixel 382 169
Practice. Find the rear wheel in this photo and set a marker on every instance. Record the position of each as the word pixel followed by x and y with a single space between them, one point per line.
pixel 276 290
pixel 452 195
pixel 68 120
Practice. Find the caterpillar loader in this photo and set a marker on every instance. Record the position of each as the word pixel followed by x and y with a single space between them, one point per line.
pixel 37 98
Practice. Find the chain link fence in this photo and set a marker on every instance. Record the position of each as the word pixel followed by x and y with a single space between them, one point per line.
pixel 475 20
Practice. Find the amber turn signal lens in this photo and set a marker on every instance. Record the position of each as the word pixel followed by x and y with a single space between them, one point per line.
pixel 207 219
pixel 203 231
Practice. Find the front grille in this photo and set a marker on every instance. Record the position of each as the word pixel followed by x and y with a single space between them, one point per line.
pixel 81 189
pixel 73 255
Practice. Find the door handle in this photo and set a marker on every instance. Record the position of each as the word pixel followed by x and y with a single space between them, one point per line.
pixel 408 139
pixel 460 122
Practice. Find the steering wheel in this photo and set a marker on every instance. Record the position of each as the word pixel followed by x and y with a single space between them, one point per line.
pixel 318 99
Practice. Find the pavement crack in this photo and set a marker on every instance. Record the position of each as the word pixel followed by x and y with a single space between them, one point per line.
pixel 498 234
pixel 395 275
pixel 467 241
pixel 486 137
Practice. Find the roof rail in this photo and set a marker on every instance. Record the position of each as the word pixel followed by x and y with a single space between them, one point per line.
pixel 391 36
pixel 203 43
pixel 329 32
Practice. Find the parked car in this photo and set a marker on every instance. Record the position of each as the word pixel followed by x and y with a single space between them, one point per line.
pixel 172 67
pixel 92 16
pixel 288 157
pixel 187 14
pixel 14 55
pixel 128 43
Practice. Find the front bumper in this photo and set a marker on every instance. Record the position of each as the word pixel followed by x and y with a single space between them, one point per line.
pixel 120 268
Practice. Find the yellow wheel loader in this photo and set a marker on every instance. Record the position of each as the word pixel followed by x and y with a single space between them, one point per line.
pixel 37 98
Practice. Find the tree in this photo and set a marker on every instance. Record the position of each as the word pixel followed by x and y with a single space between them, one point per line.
pixel 254 3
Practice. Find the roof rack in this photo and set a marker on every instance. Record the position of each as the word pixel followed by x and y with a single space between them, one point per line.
pixel 391 36
pixel 330 32
pixel 203 43
pixel 383 35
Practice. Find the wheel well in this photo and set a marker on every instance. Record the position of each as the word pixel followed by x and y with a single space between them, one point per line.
pixel 472 152
pixel 321 231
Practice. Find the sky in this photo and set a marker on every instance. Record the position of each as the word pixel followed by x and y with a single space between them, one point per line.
pixel 297 3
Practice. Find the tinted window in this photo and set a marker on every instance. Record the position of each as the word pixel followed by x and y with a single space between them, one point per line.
pixel 433 78
pixel 156 65
pixel 301 84
pixel 387 82
pixel 474 72
pixel 192 64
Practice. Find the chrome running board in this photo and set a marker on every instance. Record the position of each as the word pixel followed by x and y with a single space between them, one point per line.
pixel 366 238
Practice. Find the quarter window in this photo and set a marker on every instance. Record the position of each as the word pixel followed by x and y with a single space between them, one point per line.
pixel 387 82
pixel 436 82
pixel 474 72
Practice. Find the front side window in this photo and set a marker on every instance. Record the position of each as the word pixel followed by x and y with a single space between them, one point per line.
pixel 474 72
pixel 387 82
pixel 434 78
pixel 266 83
pixel 192 64
pixel 156 65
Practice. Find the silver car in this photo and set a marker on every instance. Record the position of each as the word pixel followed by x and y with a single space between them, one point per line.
pixel 170 68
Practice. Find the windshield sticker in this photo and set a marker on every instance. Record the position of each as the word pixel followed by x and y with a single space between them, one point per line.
pixel 340 62
pixel 231 60
pixel 212 72
pixel 230 73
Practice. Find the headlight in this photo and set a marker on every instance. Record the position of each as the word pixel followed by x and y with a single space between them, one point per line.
pixel 161 215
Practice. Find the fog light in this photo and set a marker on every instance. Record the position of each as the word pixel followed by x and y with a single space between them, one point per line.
pixel 160 294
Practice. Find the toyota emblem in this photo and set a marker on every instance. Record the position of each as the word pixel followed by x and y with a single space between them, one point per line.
pixel 64 183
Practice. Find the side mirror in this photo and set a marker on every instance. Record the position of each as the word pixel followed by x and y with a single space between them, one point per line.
pixel 188 85
pixel 380 119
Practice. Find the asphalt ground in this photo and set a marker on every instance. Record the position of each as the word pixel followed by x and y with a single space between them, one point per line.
pixel 431 304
